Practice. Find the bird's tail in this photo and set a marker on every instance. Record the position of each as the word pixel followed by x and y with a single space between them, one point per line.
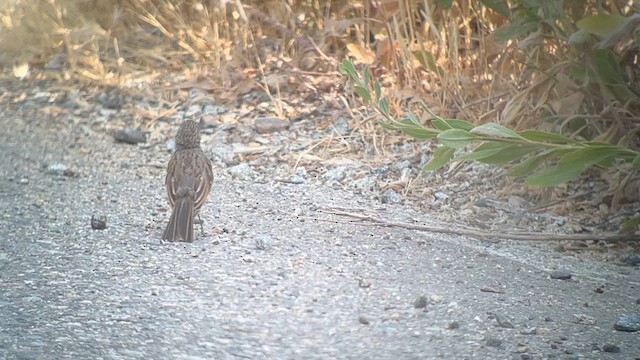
pixel 180 226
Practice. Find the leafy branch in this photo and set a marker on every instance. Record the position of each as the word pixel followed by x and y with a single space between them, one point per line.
pixel 528 150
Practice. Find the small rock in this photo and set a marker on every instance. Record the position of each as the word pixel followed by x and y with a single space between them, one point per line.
pixel 629 323
pixel 130 136
pixel 241 171
pixel 263 242
pixel 503 321
pixel 225 153
pixel 420 302
pixel 453 325
pixel 494 342
pixel 441 196
pixel 522 348
pixel 610 348
pixel 482 202
pixel 341 126
pixel 632 259
pixel 337 174
pixel 23 181
pixel 391 197
pixel 193 111
pixel 363 320
pixel 529 331
pixel 248 259
pixel 561 274
pixel 300 175
pixel 364 283
pixel 57 169
pixel 269 124
pixel 98 222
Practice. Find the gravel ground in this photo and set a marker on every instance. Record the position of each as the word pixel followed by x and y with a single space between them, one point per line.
pixel 272 277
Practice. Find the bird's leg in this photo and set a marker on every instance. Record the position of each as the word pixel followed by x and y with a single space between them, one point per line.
pixel 201 222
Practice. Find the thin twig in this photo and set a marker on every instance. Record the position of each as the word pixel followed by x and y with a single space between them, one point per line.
pixel 374 221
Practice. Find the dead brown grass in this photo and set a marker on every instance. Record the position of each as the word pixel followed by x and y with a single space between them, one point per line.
pixel 449 58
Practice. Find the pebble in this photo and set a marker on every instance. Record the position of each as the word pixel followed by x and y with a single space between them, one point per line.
pixel 241 171
pixel 494 342
pixel 267 125
pixel 263 242
pixel 441 196
pixel 630 323
pixel 98 222
pixel 130 136
pixel 610 348
pixel 337 174
pixel 23 181
pixel 561 274
pixel 632 259
pixel 503 321
pixel 420 302
pixel 341 126
pixel 391 197
pixel 363 320
pixel 57 169
pixel 453 325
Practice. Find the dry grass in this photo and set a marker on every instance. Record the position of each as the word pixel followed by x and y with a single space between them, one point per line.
pixel 450 58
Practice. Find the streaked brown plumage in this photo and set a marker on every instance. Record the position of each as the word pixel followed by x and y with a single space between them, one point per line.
pixel 188 182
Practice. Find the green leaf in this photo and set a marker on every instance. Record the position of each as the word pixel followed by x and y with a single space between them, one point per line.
pixel 378 89
pixel 383 106
pixel 508 154
pixel 446 124
pixel 515 28
pixel 571 166
pixel 630 225
pixel 456 138
pixel 483 151
pixel 636 162
pixel 445 4
pixel 526 167
pixel 499 6
pixel 347 68
pixel 600 25
pixel 363 92
pixel 541 136
pixel 555 175
pixel 607 68
pixel 440 158
pixel 367 76
pixel 421 133
pixel 495 130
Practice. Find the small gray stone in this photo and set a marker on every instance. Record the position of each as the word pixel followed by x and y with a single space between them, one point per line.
pixel 241 171
pixel 391 197
pixel 57 169
pixel 561 274
pixel 503 321
pixel 629 323
pixel 610 348
pixel 263 242
pixel 193 111
pixel 494 342
pixel 269 124
pixel 341 126
pixel 441 196
pixel 482 202
pixel 453 325
pixel 337 174
pixel 130 136
pixel 98 222
pixel 420 302
pixel 363 320
pixel 632 259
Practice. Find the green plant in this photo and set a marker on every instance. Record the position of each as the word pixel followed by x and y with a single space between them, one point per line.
pixel 528 150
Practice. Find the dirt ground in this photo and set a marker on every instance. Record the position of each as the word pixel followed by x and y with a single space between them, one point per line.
pixel 277 274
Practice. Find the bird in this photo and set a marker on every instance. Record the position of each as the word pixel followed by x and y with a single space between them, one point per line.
pixel 188 182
